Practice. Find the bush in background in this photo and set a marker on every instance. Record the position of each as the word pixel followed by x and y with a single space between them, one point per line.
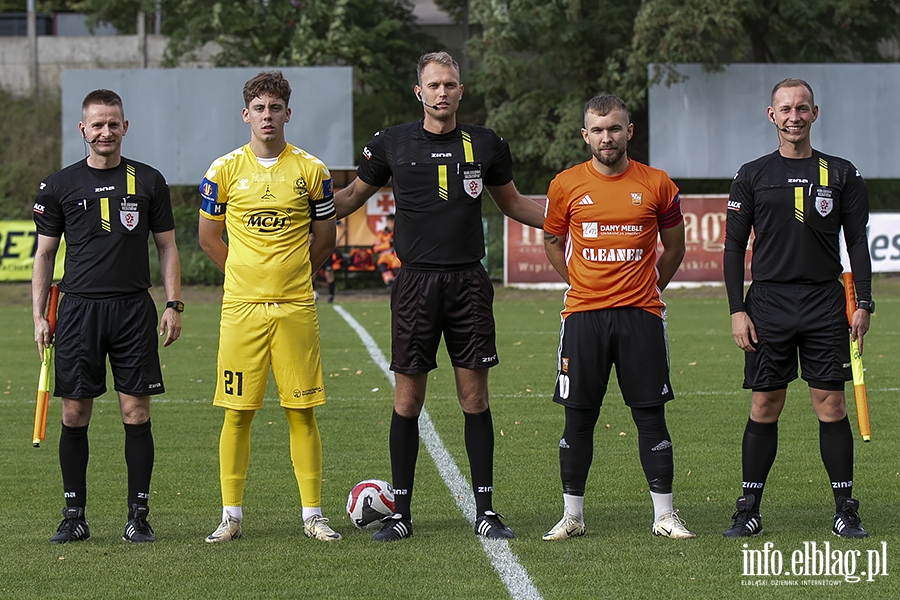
pixel 30 149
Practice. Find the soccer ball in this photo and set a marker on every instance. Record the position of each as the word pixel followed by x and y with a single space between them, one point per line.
pixel 369 502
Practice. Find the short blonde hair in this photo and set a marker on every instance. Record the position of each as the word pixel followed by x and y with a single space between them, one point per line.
pixel 442 58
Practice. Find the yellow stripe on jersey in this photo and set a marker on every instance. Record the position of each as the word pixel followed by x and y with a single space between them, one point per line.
pixel 467 147
pixel 823 172
pixel 798 203
pixel 129 180
pixel 443 190
pixel 104 214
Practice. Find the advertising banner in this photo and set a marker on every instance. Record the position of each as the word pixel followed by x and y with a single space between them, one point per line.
pixel 18 243
pixel 526 265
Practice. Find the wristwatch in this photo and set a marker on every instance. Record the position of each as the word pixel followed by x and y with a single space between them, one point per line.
pixel 178 305
pixel 868 305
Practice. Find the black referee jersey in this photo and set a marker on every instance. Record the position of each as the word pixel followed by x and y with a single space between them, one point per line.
pixel 796 208
pixel 438 182
pixel 106 216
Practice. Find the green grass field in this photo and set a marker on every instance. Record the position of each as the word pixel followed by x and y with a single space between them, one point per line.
pixel 618 558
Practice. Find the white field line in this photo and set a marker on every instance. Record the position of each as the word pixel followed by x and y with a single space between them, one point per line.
pixel 513 574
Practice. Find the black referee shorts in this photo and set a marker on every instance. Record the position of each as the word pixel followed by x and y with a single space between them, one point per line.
pixel 428 304
pixel 805 319
pixel 89 330
pixel 591 342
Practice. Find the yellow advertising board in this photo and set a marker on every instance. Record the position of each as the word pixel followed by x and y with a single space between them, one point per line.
pixel 18 242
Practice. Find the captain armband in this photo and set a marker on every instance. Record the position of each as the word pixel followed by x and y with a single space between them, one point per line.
pixel 322 210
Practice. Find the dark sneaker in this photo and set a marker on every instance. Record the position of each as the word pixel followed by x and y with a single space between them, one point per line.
pixel 137 529
pixel 73 527
pixel 394 528
pixel 846 521
pixel 490 526
pixel 745 522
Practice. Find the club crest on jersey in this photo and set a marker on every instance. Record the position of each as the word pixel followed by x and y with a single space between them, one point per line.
pixel 128 214
pixel 564 365
pixel 472 183
pixel 300 187
pixel 636 198
pixel 824 201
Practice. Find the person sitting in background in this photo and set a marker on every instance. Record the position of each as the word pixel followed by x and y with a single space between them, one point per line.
pixel 385 257
pixel 331 265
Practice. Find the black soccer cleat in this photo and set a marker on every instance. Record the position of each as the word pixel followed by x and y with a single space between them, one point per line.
pixel 137 529
pixel 395 528
pixel 745 522
pixel 846 520
pixel 490 526
pixel 73 527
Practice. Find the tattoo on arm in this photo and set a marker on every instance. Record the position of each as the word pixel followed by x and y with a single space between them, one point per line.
pixel 551 238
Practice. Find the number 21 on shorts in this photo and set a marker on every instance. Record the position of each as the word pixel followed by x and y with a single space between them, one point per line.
pixel 234 383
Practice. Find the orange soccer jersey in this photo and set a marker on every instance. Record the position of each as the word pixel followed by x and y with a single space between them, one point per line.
pixel 611 225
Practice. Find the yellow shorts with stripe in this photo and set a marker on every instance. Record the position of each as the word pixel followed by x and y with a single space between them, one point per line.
pixel 254 336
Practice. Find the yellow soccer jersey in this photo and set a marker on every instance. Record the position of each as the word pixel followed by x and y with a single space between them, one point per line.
pixel 267 213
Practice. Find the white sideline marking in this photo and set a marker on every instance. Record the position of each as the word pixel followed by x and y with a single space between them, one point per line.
pixel 513 575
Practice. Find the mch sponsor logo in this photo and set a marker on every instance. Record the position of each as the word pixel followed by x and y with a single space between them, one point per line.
pixel 267 222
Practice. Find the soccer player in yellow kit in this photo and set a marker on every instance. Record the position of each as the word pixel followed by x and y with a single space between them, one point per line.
pixel 275 200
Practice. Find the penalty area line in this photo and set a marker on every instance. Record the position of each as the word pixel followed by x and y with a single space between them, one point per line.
pixel 504 561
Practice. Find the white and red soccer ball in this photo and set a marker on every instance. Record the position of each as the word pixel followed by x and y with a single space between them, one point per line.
pixel 369 502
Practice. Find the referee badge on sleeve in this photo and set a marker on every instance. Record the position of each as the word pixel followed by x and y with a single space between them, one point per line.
pixel 471 178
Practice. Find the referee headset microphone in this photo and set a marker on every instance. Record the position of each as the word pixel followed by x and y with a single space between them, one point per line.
pixel 782 129
pixel 422 100
pixel 84 135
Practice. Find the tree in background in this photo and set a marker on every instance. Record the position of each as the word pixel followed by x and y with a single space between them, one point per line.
pixel 41 6
pixel 539 61
pixel 29 150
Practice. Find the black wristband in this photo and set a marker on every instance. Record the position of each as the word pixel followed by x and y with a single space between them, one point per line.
pixel 178 305
pixel 868 305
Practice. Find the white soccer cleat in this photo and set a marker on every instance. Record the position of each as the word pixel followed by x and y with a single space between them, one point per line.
pixel 230 529
pixel 670 525
pixel 317 527
pixel 569 526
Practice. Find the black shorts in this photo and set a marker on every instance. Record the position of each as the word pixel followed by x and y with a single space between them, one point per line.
pixel 591 342
pixel 90 330
pixel 455 304
pixel 801 318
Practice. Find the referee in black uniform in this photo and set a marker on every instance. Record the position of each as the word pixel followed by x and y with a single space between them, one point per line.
pixel 796 200
pixel 107 206
pixel 440 169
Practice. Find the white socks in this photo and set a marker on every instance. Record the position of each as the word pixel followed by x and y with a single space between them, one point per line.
pixel 574 505
pixel 662 504
pixel 310 511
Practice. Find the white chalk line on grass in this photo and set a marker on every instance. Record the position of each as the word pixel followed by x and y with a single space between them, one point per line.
pixel 513 574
